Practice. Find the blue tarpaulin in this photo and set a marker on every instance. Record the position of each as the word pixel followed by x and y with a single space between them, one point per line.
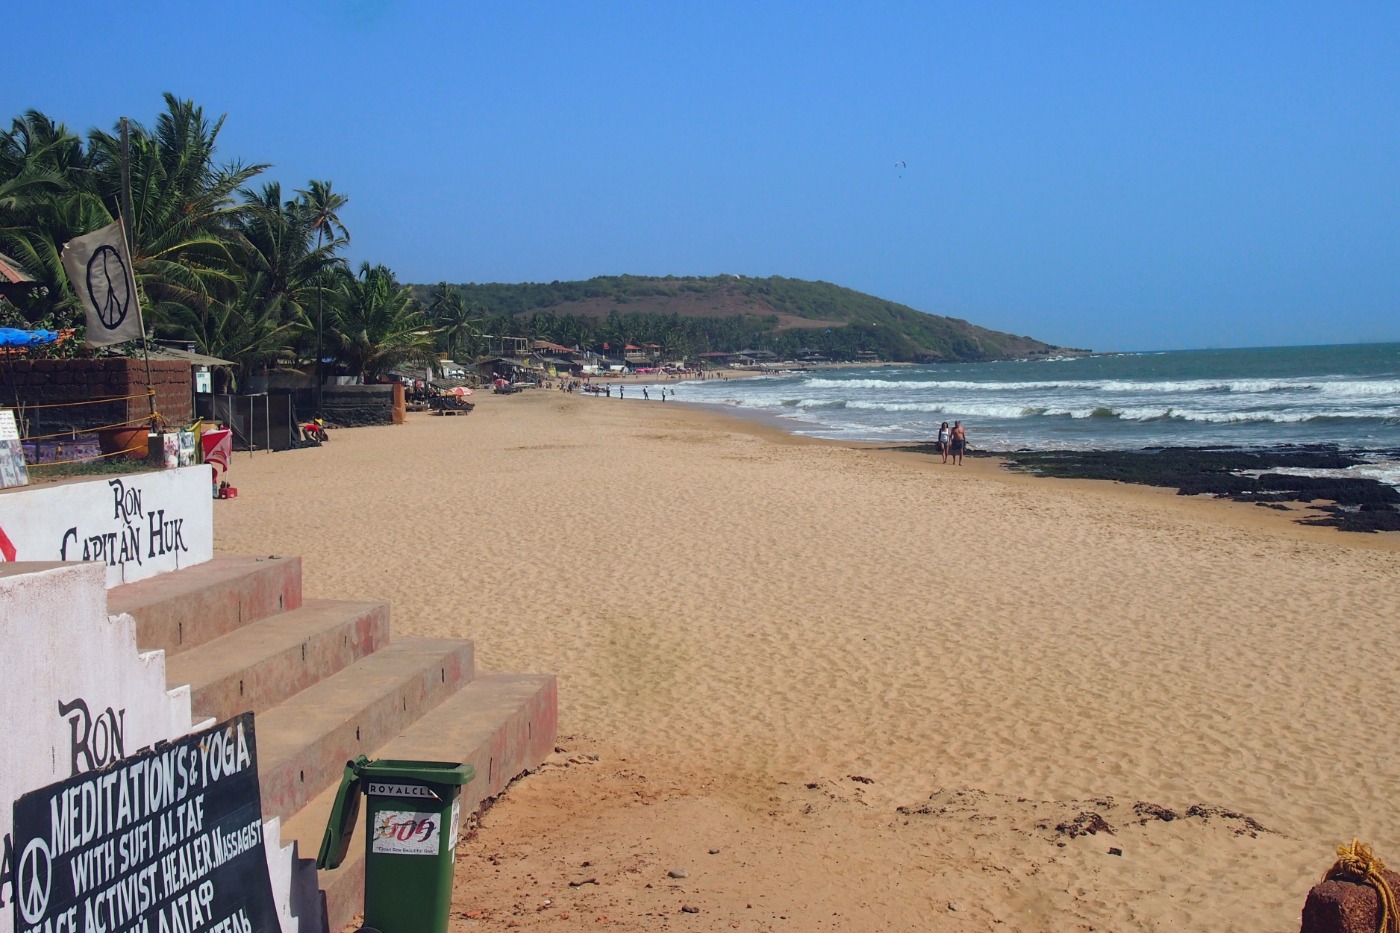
pixel 12 337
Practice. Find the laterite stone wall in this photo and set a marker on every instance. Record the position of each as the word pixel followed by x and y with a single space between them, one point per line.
pixel 48 382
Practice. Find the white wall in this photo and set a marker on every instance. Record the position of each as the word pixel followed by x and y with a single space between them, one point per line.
pixel 78 695
pixel 63 652
pixel 137 525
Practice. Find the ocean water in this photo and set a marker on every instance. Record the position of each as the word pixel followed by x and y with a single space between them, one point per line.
pixel 1347 395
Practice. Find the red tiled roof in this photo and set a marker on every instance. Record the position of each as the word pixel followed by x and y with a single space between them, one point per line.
pixel 546 345
pixel 11 271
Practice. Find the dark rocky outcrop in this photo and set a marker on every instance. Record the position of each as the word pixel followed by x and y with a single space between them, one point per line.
pixel 1243 475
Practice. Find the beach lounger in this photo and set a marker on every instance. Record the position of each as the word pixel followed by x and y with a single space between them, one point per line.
pixel 450 405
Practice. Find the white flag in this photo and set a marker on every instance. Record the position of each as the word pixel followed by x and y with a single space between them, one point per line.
pixel 99 269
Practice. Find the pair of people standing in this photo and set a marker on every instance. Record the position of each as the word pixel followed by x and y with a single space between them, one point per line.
pixel 952 441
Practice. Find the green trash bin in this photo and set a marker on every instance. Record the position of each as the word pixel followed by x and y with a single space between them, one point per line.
pixel 410 839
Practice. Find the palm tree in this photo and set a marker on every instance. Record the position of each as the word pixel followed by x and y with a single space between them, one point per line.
pixel 321 208
pixel 45 200
pixel 378 325
pixel 183 228
pixel 35 141
pixel 279 240
pixel 457 323
pixel 245 329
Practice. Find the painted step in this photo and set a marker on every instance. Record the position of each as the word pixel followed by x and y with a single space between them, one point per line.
pixel 257 666
pixel 502 724
pixel 304 742
pixel 178 610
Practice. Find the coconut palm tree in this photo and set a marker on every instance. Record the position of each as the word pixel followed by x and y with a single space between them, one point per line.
pixel 322 207
pixel 36 149
pixel 247 328
pixel 282 246
pixel 184 225
pixel 41 207
pixel 457 322
pixel 377 325
pixel 321 212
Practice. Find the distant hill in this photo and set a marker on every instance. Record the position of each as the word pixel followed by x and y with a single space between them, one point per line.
pixel 725 313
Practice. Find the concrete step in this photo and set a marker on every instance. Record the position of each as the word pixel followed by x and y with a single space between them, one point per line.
pixel 178 610
pixel 304 741
pixel 257 666
pixel 501 724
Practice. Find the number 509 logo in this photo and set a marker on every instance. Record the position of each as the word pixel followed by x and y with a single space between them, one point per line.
pixel 404 833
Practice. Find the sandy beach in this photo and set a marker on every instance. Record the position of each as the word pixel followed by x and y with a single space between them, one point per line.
pixel 809 686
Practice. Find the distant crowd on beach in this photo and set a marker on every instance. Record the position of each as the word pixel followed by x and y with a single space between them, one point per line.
pixel 952 441
pixel 604 386
pixel 606 390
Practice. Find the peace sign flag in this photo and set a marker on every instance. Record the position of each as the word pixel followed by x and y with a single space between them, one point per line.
pixel 99 269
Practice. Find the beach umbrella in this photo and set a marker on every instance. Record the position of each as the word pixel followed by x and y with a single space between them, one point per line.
pixel 460 391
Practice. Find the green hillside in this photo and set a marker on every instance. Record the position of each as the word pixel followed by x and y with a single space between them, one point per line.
pixel 692 314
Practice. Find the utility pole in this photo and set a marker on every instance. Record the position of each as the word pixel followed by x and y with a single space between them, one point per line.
pixel 126 225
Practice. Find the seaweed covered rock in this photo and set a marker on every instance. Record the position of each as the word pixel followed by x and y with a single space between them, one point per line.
pixel 1356 503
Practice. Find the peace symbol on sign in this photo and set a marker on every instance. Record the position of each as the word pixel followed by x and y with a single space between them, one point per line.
pixel 33 879
pixel 108 286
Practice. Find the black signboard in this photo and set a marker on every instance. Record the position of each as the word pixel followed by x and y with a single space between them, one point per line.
pixel 167 841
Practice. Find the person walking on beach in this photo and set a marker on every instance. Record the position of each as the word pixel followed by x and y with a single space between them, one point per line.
pixel 959 442
pixel 944 436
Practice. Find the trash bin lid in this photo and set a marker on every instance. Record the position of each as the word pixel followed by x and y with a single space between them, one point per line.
pixel 335 844
pixel 433 772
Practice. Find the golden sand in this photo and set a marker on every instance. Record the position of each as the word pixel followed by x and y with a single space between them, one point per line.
pixel 873 684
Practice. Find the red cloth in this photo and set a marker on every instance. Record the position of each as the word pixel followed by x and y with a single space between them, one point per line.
pixel 218 447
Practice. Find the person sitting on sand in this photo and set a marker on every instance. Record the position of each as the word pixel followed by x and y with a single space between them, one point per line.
pixel 944 435
pixel 959 442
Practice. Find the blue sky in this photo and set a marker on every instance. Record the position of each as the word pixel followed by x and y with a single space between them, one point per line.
pixel 1115 175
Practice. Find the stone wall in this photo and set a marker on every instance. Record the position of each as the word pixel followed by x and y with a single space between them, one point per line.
pixel 357 406
pixel 42 383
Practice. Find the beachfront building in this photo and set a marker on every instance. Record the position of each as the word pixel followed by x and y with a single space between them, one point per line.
pixel 543 347
pixel 740 358
pixel 490 369
pixel 507 346
pixel 557 360
pixel 557 368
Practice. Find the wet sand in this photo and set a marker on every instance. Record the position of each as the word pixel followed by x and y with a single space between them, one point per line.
pixel 873 684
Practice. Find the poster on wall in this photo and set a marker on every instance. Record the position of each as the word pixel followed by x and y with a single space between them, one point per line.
pixel 170 448
pixel 169 839
pixel 13 471
pixel 186 448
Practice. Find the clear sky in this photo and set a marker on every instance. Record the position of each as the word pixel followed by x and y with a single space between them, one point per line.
pixel 1115 175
